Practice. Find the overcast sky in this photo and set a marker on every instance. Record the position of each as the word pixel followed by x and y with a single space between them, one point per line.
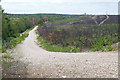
pixel 61 6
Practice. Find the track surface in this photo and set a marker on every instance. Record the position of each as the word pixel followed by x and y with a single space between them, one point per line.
pixel 44 64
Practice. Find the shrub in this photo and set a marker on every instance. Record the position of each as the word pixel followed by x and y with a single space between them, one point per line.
pixel 76 37
pixel 7 56
pixel 12 42
pixel 110 48
pixel 3 49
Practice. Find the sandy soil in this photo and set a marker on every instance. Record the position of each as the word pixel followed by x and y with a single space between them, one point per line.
pixel 44 64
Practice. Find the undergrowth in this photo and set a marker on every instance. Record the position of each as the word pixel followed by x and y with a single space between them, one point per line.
pixel 56 48
pixel 11 42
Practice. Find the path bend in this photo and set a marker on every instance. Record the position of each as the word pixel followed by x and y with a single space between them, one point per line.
pixel 45 64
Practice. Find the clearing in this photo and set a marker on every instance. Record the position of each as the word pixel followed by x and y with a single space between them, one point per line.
pixel 45 64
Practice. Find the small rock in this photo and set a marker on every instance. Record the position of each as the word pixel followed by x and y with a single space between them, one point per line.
pixel 63 76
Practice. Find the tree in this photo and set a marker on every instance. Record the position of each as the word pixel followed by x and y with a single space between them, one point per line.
pixel 41 22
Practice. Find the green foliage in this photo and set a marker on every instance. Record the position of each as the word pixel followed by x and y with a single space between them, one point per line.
pixel 41 22
pixel 100 42
pixel 7 56
pixel 12 42
pixel 56 48
pixel 110 48
pixel 11 27
pixel 8 65
pixel 79 36
pixel 3 49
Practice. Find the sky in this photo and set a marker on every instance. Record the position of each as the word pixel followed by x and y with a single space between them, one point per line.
pixel 61 6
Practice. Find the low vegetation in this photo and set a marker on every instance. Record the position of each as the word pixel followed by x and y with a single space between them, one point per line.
pixel 63 33
pixel 13 30
pixel 12 42
pixel 46 45
pixel 77 36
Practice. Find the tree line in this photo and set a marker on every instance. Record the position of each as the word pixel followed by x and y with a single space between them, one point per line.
pixel 12 26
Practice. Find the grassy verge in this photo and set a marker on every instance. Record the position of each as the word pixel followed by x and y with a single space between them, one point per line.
pixel 12 42
pixel 28 30
pixel 0 67
pixel 58 48
pixel 0 47
pixel 49 47
pixel 12 67
pixel 46 45
pixel 6 63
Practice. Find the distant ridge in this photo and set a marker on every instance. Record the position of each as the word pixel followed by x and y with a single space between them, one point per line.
pixel 42 14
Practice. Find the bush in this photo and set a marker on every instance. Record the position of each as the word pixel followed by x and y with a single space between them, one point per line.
pixel 7 56
pixel 12 42
pixel 76 37
pixel 110 48
pixel 3 49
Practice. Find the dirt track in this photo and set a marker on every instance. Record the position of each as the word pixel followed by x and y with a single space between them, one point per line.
pixel 65 65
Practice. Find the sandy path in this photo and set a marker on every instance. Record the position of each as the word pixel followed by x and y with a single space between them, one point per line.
pixel 107 17
pixel 70 65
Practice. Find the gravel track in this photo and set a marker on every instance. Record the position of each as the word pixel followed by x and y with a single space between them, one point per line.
pixel 45 64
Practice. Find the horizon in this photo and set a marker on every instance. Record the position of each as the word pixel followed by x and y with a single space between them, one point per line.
pixel 56 14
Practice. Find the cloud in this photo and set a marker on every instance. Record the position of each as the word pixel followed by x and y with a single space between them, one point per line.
pixel 42 1
pixel 60 6
pixel 60 1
